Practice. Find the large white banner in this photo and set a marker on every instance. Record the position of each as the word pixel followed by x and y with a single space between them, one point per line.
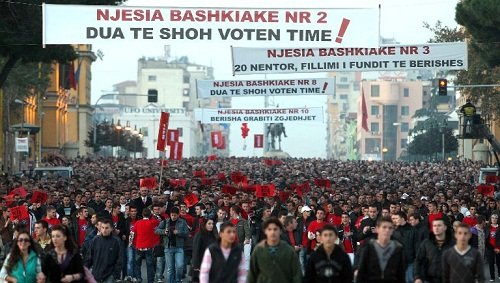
pixel 266 115
pixel 210 88
pixel 88 24
pixel 438 56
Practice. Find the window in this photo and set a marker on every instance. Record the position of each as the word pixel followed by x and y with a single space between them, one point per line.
pixel 404 143
pixel 372 146
pixel 375 127
pixel 343 96
pixel 185 92
pixel 345 107
pixel 375 90
pixel 185 79
pixel 406 92
pixel 404 127
pixel 405 110
pixel 343 86
pixel 185 105
pixel 343 79
pixel 355 86
pixel 152 78
pixel 180 131
pixel 375 110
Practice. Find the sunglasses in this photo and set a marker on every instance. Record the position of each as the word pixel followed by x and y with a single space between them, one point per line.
pixel 20 240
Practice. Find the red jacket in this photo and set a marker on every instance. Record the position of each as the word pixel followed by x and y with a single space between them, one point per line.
pixel 145 237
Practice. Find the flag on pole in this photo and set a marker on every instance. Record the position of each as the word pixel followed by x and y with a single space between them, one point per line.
pixel 216 138
pixel 162 131
pixel 364 111
pixel 172 136
pixel 258 141
pixel 176 151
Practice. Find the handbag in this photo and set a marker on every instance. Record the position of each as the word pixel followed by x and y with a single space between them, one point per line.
pixel 89 278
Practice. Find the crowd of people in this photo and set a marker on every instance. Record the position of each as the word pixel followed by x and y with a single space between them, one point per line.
pixel 204 221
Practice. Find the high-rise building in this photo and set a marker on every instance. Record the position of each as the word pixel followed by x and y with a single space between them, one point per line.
pixel 390 106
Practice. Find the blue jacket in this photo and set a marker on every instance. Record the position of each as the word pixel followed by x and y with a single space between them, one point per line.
pixel 182 232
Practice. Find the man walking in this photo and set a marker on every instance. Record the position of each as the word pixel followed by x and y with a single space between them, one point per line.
pixel 175 231
pixel 462 263
pixel 105 255
pixel 381 260
pixel 223 260
pixel 329 263
pixel 428 261
pixel 145 240
pixel 406 235
pixel 274 260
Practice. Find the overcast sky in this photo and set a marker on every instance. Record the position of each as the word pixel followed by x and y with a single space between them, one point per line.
pixel 400 19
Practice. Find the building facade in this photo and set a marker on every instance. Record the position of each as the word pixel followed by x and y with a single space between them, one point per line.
pixel 390 105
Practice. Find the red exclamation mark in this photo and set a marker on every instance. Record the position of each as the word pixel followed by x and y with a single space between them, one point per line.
pixel 325 85
pixel 343 28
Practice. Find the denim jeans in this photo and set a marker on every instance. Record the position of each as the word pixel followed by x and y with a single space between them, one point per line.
pixel 409 274
pixel 303 259
pixel 148 255
pixel 174 259
pixel 160 267
pixel 131 252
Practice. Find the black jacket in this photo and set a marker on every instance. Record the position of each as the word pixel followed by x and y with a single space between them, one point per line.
pixel 353 238
pixel 368 222
pixel 222 270
pixel 428 261
pixel 407 236
pixel 62 212
pixel 97 207
pixel 200 243
pixel 369 268
pixel 297 236
pixel 141 205
pixel 105 257
pixel 55 273
pixel 321 269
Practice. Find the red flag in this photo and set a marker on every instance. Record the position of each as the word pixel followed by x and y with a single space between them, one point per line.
pixel 39 197
pixel 190 200
pixel 216 138
pixel 265 190
pixel 9 199
pixel 199 174
pixel 272 162
pixel 364 111
pixel 149 183
pixel 20 191
pixel 491 179
pixel 238 177
pixel 162 131
pixel 300 189
pixel 70 75
pixel 172 136
pixel 486 190
pixel 258 141
pixel 323 183
pixel 177 182
pixel 212 157
pixel 222 144
pixel 284 196
pixel 176 151
pixel 221 176
pixel 207 181
pixel 228 189
pixel 19 213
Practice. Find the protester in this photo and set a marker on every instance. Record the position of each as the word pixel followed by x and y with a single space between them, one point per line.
pixel 63 263
pixel 105 255
pixel 406 235
pixel 273 260
pixel 42 237
pixel 204 238
pixel 462 263
pixel 348 236
pixel 429 256
pixel 223 260
pixel 175 231
pixel 492 245
pixel 382 260
pixel 22 264
pixel 144 239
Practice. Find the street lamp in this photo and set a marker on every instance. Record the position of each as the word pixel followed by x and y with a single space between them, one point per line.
pixel 118 125
pixel 135 132
pixel 385 150
pixel 127 126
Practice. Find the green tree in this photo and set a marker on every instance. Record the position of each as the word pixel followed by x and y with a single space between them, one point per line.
pixel 21 34
pixel 482 21
pixel 429 142
pixel 478 73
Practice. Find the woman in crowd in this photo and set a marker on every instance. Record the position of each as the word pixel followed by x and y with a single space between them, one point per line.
pixel 63 263
pixel 201 241
pixel 22 264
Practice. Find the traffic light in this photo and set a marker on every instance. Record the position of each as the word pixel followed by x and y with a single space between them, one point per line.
pixel 152 96
pixel 443 87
